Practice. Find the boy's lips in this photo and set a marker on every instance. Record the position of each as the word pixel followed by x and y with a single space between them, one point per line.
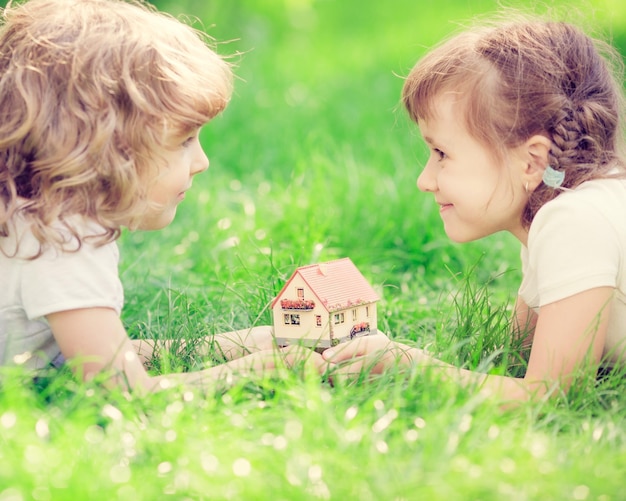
pixel 181 195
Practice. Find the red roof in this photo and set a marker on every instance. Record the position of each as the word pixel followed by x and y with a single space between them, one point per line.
pixel 338 284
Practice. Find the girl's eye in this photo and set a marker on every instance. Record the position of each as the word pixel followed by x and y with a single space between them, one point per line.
pixel 439 154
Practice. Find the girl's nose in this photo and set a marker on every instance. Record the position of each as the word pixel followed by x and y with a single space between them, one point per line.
pixel 427 180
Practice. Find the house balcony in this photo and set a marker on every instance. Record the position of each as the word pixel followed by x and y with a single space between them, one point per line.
pixel 297 304
pixel 362 328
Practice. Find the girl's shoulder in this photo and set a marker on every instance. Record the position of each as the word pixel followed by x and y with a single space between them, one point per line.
pixel 596 195
pixel 595 207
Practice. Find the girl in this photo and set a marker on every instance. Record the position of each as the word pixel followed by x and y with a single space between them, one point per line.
pixel 102 102
pixel 523 121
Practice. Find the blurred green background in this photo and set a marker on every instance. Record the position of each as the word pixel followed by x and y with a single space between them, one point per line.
pixel 315 159
pixel 315 131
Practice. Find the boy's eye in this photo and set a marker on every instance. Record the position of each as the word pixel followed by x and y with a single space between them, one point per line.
pixel 188 141
pixel 439 154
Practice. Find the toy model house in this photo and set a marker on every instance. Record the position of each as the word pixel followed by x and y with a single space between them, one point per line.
pixel 324 304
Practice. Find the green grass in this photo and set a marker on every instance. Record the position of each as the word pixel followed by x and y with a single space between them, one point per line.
pixel 314 160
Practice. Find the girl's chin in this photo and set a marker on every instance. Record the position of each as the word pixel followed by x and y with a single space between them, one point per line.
pixel 460 237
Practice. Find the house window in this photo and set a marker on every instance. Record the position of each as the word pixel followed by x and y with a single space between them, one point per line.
pixel 287 320
pixel 295 319
pixel 354 315
pixel 318 320
pixel 300 293
pixel 367 311
pixel 339 318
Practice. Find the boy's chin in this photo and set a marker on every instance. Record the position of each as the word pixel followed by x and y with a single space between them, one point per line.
pixel 155 222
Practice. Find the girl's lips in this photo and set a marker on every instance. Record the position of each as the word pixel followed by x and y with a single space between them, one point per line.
pixel 444 207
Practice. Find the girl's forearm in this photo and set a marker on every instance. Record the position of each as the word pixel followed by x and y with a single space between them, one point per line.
pixel 503 388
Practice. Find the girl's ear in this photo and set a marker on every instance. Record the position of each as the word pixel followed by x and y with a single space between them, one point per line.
pixel 536 150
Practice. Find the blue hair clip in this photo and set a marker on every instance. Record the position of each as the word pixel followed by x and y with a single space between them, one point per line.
pixel 553 178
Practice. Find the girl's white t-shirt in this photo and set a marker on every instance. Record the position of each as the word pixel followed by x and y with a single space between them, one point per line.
pixel 577 242
pixel 56 281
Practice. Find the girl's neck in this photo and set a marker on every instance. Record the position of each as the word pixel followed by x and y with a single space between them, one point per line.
pixel 521 234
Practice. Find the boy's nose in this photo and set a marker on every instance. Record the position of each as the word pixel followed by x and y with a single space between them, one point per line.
pixel 201 162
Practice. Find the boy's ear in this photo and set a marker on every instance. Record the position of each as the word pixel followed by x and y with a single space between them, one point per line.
pixel 536 150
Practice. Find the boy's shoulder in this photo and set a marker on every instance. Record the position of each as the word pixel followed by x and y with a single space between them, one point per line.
pixel 21 241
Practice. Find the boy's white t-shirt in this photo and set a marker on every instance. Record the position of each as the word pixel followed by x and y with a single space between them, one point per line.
pixel 577 242
pixel 56 281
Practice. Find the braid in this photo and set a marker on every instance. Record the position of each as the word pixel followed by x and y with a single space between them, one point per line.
pixel 571 147
pixel 575 147
pixel 574 151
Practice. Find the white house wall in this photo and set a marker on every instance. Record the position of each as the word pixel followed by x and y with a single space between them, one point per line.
pixel 353 316
pixel 307 331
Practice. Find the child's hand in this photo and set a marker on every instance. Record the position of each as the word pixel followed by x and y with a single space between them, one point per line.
pixel 271 359
pixel 302 356
pixel 239 343
pixel 368 354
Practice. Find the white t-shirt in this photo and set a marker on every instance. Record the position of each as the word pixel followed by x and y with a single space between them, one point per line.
pixel 578 242
pixel 55 281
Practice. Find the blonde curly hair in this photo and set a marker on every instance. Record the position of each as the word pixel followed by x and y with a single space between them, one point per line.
pixel 88 89
pixel 527 76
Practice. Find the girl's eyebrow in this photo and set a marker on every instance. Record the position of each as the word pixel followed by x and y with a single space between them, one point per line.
pixel 431 142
